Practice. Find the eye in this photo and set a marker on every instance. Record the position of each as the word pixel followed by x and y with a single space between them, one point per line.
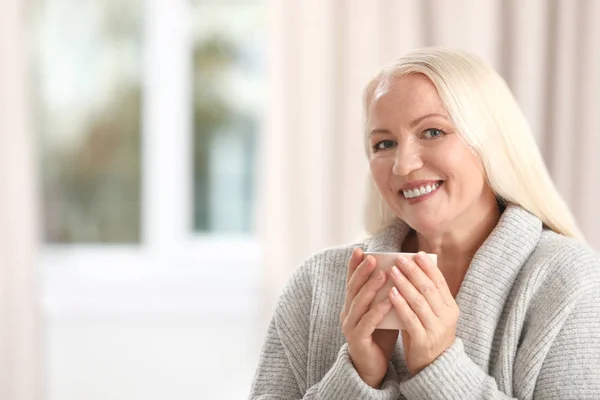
pixel 383 145
pixel 432 133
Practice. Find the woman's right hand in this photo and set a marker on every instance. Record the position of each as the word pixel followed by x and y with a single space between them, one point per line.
pixel 370 350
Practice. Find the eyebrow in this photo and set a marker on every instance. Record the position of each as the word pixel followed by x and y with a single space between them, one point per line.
pixel 418 120
pixel 412 124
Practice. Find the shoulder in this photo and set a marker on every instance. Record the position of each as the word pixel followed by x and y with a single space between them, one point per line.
pixel 562 268
pixel 569 259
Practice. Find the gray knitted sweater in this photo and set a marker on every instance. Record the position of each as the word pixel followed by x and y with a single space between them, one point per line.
pixel 529 325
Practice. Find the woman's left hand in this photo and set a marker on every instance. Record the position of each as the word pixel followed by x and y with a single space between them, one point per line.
pixel 426 309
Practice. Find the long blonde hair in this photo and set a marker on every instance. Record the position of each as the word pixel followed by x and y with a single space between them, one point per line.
pixel 488 119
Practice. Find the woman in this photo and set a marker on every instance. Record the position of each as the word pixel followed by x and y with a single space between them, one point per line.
pixel 512 309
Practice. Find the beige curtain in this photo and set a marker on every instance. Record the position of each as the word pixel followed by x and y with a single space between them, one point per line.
pixel 20 357
pixel 313 167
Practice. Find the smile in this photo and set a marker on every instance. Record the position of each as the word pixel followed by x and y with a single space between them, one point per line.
pixel 420 191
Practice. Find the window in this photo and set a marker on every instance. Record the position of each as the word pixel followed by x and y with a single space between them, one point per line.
pixel 87 93
pixel 89 102
pixel 229 89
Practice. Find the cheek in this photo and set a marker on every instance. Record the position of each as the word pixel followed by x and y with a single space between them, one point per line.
pixel 460 164
pixel 381 169
pixel 466 173
pixel 470 167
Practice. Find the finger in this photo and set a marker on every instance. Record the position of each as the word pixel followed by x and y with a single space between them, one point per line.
pixel 417 302
pixel 357 280
pixel 355 259
pixel 422 282
pixel 408 318
pixel 360 276
pixel 364 299
pixel 436 276
pixel 369 321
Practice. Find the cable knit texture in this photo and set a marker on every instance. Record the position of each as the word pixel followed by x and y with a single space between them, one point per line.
pixel 529 325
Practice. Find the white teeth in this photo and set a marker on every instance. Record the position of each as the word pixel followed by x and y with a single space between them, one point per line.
pixel 420 191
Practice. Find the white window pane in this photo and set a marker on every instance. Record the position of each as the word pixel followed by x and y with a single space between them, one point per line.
pixel 229 92
pixel 86 93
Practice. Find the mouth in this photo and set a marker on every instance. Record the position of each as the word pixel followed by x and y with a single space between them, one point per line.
pixel 422 191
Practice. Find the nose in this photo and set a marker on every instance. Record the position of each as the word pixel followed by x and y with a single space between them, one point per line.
pixel 407 160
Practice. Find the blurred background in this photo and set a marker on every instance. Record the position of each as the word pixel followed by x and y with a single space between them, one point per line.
pixel 165 166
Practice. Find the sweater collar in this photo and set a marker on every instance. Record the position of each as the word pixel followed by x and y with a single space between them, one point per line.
pixel 489 278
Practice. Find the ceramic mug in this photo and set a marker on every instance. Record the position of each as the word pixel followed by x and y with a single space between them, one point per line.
pixel 385 261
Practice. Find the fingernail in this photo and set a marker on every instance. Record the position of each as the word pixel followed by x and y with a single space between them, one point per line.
pixel 379 275
pixel 401 260
pixel 421 255
pixel 395 270
pixel 395 291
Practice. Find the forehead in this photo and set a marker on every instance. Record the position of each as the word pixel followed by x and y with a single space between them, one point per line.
pixel 405 99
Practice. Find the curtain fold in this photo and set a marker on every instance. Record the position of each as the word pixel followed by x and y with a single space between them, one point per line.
pixel 20 337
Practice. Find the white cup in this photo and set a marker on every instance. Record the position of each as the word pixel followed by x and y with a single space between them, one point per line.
pixel 385 261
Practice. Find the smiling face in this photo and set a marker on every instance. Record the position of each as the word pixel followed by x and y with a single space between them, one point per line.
pixel 423 169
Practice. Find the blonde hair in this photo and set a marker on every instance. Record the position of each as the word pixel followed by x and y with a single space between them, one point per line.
pixel 488 119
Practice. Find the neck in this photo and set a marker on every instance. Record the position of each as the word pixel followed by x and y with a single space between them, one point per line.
pixel 455 249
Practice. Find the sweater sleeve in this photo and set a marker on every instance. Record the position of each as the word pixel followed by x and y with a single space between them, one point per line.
pixel 569 370
pixel 282 369
pixel 452 376
pixel 276 378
